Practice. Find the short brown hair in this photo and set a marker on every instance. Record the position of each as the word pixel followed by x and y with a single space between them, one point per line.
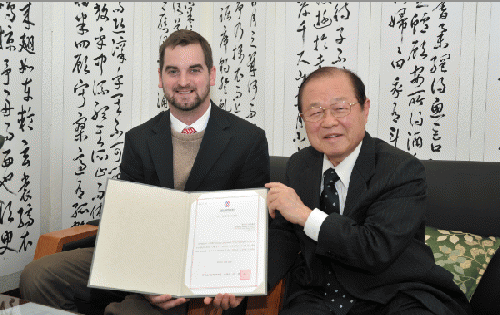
pixel 183 38
pixel 358 85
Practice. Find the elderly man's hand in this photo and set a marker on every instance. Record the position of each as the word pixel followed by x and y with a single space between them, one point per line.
pixel 165 301
pixel 224 301
pixel 284 199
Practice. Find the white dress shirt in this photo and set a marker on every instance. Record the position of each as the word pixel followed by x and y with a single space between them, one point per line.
pixel 343 170
pixel 198 125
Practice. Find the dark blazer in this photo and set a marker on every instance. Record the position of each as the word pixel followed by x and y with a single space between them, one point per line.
pixel 377 247
pixel 233 154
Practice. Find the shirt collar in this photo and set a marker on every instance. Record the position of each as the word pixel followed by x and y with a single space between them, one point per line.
pixel 344 169
pixel 198 125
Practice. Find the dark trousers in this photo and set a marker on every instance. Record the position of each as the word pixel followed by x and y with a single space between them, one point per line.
pixel 313 304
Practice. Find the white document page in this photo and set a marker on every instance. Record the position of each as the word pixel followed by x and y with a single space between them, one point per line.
pixel 234 261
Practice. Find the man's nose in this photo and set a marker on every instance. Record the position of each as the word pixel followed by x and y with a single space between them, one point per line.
pixel 328 119
pixel 183 79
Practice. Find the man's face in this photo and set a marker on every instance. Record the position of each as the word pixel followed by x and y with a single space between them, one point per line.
pixel 335 137
pixel 185 78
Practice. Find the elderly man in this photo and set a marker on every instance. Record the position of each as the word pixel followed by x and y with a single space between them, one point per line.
pixel 348 223
pixel 194 146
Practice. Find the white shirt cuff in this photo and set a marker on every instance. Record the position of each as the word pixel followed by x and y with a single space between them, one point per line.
pixel 313 223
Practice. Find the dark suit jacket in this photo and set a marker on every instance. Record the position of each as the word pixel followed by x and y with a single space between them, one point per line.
pixel 376 248
pixel 233 154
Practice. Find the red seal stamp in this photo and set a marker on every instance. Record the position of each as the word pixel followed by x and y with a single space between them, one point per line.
pixel 244 274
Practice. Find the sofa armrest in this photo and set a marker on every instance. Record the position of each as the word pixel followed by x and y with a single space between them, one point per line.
pixel 53 242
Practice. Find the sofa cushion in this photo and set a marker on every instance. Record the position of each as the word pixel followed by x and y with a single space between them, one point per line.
pixel 465 255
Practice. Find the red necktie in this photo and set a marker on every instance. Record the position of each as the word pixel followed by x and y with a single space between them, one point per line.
pixel 188 130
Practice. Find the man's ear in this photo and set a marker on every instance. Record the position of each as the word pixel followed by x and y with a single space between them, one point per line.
pixel 212 76
pixel 160 84
pixel 367 109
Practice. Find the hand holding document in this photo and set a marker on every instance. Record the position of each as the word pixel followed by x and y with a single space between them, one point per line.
pixel 156 240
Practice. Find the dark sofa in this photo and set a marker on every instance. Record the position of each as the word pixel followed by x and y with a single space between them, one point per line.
pixel 465 196
pixel 462 196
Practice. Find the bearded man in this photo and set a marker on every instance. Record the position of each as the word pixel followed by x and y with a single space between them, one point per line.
pixel 194 146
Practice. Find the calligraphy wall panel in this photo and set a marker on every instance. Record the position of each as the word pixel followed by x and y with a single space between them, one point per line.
pixel 318 35
pixel 492 126
pixel 238 46
pixel 167 17
pixel 97 103
pixel 21 45
pixel 419 78
pixel 479 90
pixel 370 35
pixel 466 81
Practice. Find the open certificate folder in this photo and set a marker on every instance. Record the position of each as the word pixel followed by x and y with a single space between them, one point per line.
pixel 155 240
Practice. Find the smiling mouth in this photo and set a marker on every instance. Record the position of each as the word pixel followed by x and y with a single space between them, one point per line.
pixel 332 136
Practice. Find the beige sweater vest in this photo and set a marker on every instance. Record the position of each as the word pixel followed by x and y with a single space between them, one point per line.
pixel 185 148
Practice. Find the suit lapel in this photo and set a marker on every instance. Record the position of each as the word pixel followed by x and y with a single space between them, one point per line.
pixel 214 142
pixel 308 184
pixel 160 145
pixel 361 173
pixel 310 179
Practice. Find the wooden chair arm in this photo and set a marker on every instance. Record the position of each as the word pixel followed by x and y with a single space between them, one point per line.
pixel 198 307
pixel 53 242
pixel 257 305
pixel 267 305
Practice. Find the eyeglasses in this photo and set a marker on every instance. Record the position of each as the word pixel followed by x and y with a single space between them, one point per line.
pixel 338 110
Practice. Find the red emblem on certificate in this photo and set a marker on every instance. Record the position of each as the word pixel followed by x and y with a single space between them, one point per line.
pixel 244 274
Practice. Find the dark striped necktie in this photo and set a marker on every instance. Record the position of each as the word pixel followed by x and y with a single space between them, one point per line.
pixel 336 296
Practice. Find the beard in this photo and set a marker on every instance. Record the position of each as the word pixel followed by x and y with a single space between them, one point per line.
pixel 186 106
